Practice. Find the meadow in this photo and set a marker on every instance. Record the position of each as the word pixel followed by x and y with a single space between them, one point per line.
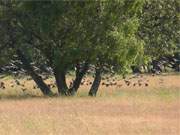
pixel 117 110
pixel 96 45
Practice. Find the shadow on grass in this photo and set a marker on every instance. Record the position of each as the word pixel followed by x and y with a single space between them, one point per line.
pixel 21 97
pixel 161 93
pixel 26 96
pixel 31 96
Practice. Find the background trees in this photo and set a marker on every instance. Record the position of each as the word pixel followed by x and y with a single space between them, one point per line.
pixel 160 29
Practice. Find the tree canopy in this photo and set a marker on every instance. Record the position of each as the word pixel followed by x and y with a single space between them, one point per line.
pixel 76 36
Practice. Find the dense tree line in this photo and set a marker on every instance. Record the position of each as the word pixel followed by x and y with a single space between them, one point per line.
pixel 159 29
pixel 107 37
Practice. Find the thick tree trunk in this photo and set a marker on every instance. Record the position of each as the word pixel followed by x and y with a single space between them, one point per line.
pixel 177 67
pixel 96 83
pixel 60 77
pixel 79 76
pixel 37 79
pixel 11 30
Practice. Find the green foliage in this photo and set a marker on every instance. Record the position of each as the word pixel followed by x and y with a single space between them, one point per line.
pixel 160 27
pixel 111 35
pixel 82 31
pixel 100 32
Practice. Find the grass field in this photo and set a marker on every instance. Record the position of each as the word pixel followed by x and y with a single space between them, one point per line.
pixel 125 110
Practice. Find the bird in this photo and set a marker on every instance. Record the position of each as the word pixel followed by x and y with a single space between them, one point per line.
pixel 115 83
pixel 103 83
pixel 2 85
pixel 17 82
pixel 53 85
pixel 24 89
pixel 34 87
pixel 49 85
pixel 127 82
pixel 71 84
pixel 82 83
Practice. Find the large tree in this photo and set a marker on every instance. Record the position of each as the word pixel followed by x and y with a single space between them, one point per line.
pixel 74 35
pixel 15 40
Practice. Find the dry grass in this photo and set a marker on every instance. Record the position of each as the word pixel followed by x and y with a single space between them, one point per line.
pixel 152 110
pixel 101 116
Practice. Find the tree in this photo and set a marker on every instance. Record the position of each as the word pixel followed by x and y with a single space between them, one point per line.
pixel 159 27
pixel 75 35
pixel 14 40
pixel 115 41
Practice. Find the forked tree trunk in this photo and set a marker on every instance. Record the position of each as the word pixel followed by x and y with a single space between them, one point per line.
pixel 79 76
pixel 37 79
pixel 96 83
pixel 60 77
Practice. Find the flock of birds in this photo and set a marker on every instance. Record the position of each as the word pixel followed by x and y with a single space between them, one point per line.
pixel 13 84
pixel 22 84
pixel 128 82
pixel 106 82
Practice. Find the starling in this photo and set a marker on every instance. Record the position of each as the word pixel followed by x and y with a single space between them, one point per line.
pixel 103 83
pixel 17 82
pixel 24 89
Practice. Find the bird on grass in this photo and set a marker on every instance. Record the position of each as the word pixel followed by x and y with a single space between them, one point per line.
pixel 103 83
pixel 23 89
pixel 127 82
pixel 17 82
pixel 134 84
pixel 2 85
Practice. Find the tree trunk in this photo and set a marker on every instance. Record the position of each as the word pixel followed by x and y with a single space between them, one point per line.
pixel 96 83
pixel 177 67
pixel 11 30
pixel 61 82
pixel 79 76
pixel 37 79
